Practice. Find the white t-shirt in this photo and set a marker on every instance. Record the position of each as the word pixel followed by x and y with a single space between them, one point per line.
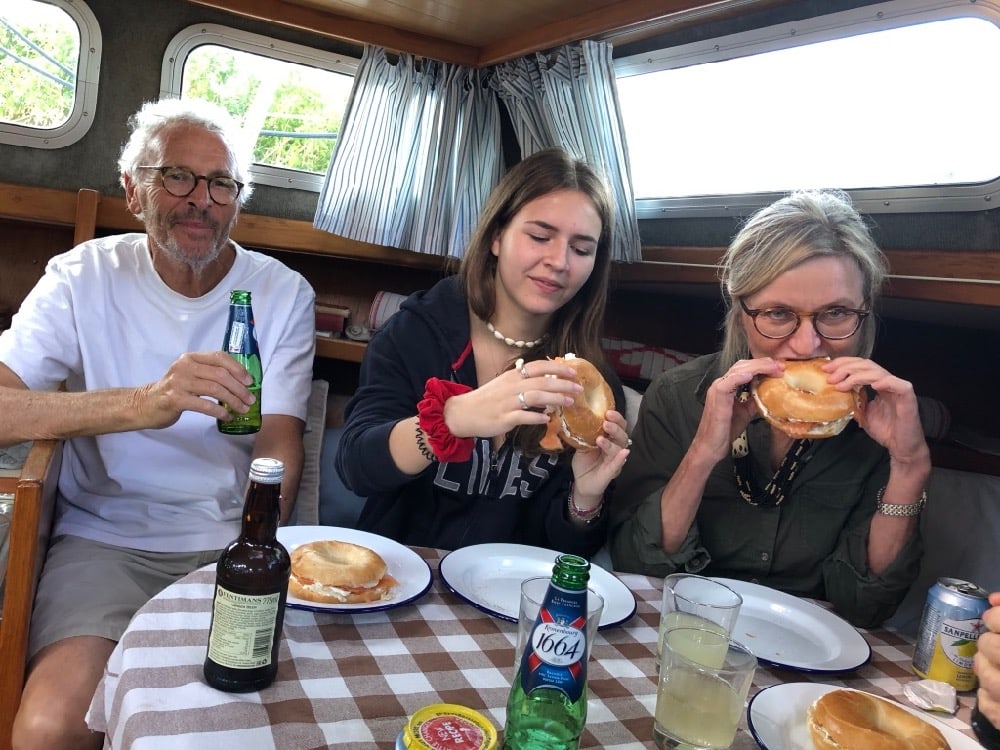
pixel 101 317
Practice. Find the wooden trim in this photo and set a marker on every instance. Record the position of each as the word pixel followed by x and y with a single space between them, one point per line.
pixel 34 500
pixel 958 276
pixel 85 218
pixel 349 29
pixel 626 20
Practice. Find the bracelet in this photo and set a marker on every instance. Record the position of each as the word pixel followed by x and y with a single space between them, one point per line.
pixel 422 446
pixel 900 510
pixel 587 516
pixel 445 446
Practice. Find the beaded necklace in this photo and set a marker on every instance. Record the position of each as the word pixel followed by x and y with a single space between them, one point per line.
pixel 514 342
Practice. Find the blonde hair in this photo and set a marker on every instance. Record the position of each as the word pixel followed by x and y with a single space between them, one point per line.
pixel 803 225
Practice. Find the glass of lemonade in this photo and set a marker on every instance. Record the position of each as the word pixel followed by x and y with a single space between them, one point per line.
pixel 704 680
pixel 695 601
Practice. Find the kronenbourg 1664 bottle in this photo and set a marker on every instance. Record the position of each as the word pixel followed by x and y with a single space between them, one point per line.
pixel 547 705
pixel 241 345
pixel 251 586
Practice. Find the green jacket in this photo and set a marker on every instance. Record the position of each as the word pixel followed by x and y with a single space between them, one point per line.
pixel 813 544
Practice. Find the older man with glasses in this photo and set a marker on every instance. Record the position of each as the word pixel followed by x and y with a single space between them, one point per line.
pixel 712 488
pixel 133 324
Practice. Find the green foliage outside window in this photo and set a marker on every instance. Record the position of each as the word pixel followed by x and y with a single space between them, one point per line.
pixel 39 51
pixel 297 109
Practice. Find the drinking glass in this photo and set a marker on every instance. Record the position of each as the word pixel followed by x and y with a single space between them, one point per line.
pixel 532 595
pixel 704 680
pixel 695 601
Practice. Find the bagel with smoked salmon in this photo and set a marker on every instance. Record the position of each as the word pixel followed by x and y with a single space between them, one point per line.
pixel 852 720
pixel 578 425
pixel 334 572
pixel 801 403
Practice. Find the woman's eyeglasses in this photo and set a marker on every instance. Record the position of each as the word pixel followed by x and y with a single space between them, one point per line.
pixel 181 182
pixel 830 323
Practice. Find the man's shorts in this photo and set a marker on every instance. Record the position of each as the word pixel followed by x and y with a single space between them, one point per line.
pixel 90 588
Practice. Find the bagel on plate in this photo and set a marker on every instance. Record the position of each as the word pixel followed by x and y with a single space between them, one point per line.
pixel 852 720
pixel 334 572
pixel 578 426
pixel 801 403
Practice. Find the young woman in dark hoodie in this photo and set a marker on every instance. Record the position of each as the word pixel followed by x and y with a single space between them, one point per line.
pixel 442 434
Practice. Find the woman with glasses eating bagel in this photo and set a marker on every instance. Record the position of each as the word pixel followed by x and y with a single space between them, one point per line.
pixel 819 506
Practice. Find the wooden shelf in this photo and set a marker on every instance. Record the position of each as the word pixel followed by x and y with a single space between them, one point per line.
pixel 343 349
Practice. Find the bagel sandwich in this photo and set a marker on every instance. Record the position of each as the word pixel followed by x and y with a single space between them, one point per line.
pixel 801 403
pixel 852 720
pixel 335 572
pixel 577 426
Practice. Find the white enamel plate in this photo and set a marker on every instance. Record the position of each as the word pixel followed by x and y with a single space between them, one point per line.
pixel 785 631
pixel 776 718
pixel 406 566
pixel 488 576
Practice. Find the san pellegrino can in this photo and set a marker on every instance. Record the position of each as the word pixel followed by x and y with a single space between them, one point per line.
pixel 948 632
pixel 241 344
pixel 547 704
pixel 251 585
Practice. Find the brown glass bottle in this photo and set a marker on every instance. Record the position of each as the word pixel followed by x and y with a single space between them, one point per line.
pixel 251 585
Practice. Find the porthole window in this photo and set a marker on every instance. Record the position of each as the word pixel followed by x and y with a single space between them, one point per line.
pixel 293 96
pixel 50 55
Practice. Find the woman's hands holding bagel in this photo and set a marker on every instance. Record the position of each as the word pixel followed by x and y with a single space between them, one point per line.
pixel 518 396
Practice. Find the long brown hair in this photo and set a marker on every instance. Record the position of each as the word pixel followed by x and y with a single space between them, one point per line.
pixel 576 327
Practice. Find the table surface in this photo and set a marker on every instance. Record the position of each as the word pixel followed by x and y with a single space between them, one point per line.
pixel 352 680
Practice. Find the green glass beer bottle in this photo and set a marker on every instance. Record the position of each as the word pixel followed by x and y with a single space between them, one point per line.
pixel 547 704
pixel 241 343
pixel 251 586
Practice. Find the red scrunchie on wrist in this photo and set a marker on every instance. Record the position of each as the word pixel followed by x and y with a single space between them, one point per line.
pixel 430 411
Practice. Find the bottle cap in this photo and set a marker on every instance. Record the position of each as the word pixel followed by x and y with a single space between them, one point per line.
pixel 267 470
pixel 447 726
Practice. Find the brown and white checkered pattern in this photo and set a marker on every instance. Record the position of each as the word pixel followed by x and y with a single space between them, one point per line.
pixel 352 680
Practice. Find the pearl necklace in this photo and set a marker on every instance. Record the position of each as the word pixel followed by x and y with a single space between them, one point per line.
pixel 511 342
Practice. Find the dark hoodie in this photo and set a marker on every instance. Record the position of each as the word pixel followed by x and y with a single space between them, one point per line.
pixel 502 497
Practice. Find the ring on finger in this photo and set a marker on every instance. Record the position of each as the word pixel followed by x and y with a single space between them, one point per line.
pixel 524 371
pixel 629 443
pixel 524 404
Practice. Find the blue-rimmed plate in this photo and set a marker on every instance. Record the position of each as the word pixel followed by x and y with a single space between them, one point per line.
pixel 793 633
pixel 406 566
pixel 776 717
pixel 488 576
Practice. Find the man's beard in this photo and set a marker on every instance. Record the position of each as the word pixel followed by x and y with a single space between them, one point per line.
pixel 198 261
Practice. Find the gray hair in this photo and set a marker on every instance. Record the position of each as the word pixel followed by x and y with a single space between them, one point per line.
pixel 149 124
pixel 803 225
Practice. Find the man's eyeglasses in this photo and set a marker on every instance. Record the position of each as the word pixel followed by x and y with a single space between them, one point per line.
pixel 830 323
pixel 181 182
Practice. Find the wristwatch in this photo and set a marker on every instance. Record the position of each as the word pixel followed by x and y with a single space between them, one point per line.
pixel 900 510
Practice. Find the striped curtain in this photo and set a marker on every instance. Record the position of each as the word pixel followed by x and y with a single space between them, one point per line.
pixel 569 98
pixel 420 147
pixel 417 155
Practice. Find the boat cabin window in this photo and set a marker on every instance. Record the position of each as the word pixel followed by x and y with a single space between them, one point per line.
pixel 50 57
pixel 884 101
pixel 293 96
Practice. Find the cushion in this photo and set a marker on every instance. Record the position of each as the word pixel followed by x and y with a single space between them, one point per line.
pixel 307 503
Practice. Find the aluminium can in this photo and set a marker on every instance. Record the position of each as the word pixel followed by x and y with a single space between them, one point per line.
pixel 948 632
pixel 446 726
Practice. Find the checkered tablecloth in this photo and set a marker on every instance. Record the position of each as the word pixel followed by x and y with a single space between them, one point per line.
pixel 352 680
